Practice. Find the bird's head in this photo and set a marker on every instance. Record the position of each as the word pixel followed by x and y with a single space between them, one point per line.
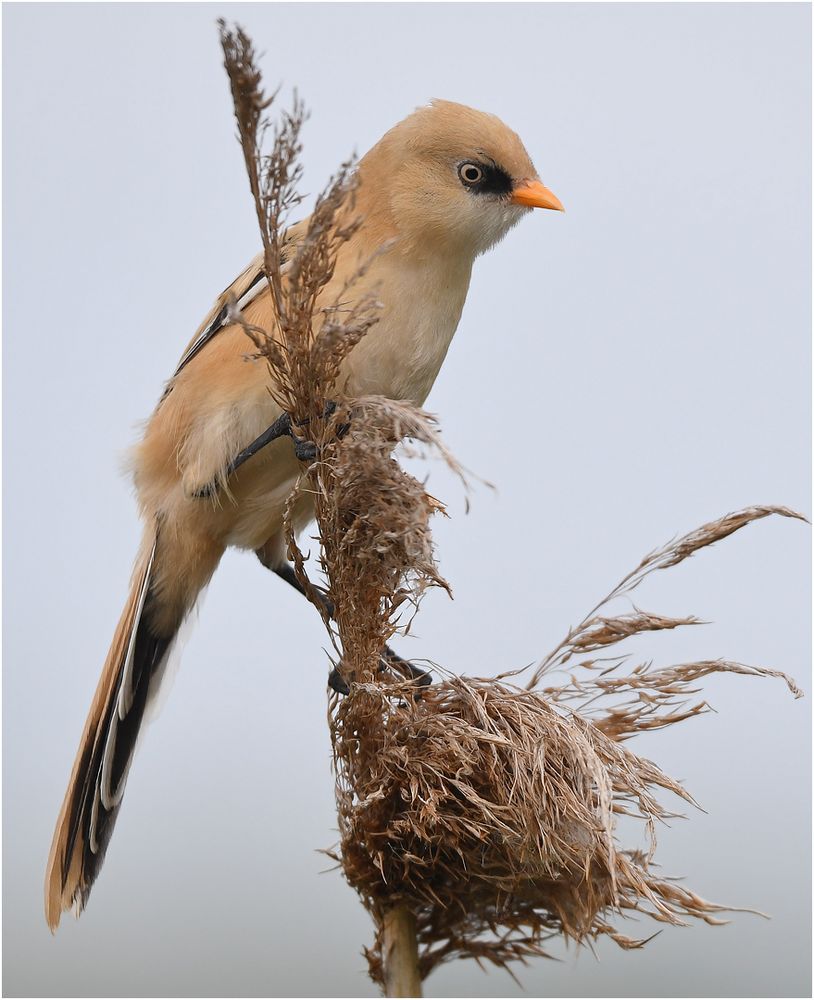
pixel 452 178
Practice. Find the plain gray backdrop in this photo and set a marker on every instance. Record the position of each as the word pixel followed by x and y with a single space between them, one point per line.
pixel 622 373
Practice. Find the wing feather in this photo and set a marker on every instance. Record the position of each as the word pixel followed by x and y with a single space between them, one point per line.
pixel 246 286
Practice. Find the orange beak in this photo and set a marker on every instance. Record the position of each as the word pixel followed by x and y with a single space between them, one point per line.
pixel 534 194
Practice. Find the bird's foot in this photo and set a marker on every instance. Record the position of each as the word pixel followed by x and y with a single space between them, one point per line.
pixel 336 682
pixel 389 661
pixel 306 450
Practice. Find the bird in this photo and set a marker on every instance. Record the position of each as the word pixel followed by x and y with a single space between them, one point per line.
pixel 439 189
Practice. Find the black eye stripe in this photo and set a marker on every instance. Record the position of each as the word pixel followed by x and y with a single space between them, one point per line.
pixel 493 179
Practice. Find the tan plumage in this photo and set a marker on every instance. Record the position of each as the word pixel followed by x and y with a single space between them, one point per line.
pixel 417 194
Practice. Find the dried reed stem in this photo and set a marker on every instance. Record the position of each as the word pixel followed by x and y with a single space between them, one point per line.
pixel 375 546
pixel 479 820
pixel 400 953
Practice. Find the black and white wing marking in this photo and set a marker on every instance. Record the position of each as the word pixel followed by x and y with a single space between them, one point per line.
pixel 246 287
pixel 243 289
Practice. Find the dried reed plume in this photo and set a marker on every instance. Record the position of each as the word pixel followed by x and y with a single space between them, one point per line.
pixel 489 810
pixel 373 517
pixel 486 809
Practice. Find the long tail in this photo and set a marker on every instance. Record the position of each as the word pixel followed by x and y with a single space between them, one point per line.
pixel 136 658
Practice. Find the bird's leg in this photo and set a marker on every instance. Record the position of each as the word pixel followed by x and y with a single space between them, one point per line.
pixel 287 572
pixel 280 428
pixel 306 451
pixel 389 657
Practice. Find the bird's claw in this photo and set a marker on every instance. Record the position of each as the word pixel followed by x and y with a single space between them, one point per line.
pixel 337 683
pixel 306 451
pixel 420 678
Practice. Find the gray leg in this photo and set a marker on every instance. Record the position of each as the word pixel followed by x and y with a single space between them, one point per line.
pixel 304 450
pixel 389 658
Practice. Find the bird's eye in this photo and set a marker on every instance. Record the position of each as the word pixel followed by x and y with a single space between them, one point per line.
pixel 470 174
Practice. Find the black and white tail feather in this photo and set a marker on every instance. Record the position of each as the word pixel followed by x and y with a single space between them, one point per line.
pixel 135 671
pixel 135 668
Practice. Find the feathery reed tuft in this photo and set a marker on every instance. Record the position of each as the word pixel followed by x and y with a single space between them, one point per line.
pixel 489 810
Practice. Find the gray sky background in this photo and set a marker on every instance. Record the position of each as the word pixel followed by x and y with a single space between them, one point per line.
pixel 623 373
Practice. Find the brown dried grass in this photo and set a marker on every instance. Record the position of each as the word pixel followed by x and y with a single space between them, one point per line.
pixel 488 808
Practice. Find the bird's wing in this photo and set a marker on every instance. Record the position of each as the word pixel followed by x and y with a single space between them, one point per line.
pixel 242 290
pixel 246 286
